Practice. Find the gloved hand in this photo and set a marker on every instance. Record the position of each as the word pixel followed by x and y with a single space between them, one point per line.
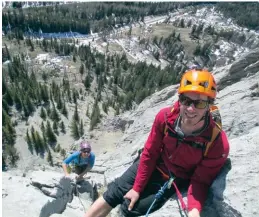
pixel 194 213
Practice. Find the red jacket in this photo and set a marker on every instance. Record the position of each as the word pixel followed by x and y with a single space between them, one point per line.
pixel 183 161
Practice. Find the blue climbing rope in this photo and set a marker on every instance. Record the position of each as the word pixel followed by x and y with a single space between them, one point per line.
pixel 160 193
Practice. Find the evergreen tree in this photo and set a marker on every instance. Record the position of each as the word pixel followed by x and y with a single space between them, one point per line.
pixel 18 102
pixel 25 112
pixel 34 140
pixel 95 116
pixel 59 102
pixel 69 96
pixel 74 58
pixel 40 142
pixel 29 105
pixel 48 109
pixel 197 50
pixel 182 25
pixel 179 37
pixel 199 29
pixel 75 94
pixel 43 114
pixel 64 110
pixel 130 31
pixel 9 133
pixel 74 130
pixel 54 113
pixel 87 111
pixel 50 95
pixel 155 40
pixel 50 159
pixel 4 86
pixel 31 45
pixel 117 110
pixel 29 141
pixel 193 29
pixel 87 82
pixel 205 50
pixel 128 101
pixel 7 53
pixel 63 153
pixel 76 116
pixel 12 154
pixel 81 129
pixel 45 45
pixel 105 107
pixel 141 94
pixel 58 148
pixel 81 70
pixel 8 97
pixel 42 127
pixel 51 138
pixel 44 76
pixel 189 23
pixel 115 90
pixel 44 93
pixel 45 141
pixel 5 106
pixel 62 127
pixel 55 127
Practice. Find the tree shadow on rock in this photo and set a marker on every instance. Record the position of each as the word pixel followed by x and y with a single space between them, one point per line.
pixel 87 187
pixel 63 195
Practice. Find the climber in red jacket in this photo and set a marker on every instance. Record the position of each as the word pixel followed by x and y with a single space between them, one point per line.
pixel 185 145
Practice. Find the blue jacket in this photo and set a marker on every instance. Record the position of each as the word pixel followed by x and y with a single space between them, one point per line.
pixel 76 159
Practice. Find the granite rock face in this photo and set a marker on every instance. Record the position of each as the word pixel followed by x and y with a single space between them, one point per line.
pixel 44 194
pixel 245 66
pixel 47 193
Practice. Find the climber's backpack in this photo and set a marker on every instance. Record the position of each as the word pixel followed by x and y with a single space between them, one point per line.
pixel 215 132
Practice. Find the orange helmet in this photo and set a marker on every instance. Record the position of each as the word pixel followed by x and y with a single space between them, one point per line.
pixel 198 81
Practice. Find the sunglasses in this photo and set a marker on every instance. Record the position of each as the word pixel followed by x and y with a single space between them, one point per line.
pixel 199 104
pixel 86 151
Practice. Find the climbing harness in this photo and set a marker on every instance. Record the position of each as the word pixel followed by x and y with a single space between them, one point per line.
pixel 168 185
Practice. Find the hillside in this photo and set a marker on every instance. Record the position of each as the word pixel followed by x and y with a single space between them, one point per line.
pixel 110 71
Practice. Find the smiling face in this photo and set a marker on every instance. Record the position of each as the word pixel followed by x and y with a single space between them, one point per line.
pixel 85 153
pixel 191 115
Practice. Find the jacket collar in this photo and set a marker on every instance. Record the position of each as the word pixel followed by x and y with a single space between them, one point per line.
pixel 203 135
